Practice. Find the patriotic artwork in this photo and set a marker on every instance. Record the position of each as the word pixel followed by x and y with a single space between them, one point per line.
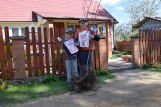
pixel 84 38
pixel 71 47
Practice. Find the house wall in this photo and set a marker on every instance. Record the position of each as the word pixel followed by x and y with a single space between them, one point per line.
pixel 18 25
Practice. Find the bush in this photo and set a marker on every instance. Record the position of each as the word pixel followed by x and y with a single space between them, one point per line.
pixel 127 52
pixel 158 66
pixel 3 85
pixel 102 72
pixel 146 66
pixel 51 78
pixel 113 57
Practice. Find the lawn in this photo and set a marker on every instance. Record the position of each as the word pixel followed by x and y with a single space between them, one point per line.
pixel 20 93
pixel 26 92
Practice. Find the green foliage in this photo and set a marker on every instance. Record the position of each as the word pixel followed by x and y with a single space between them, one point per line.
pixel 102 72
pixel 146 66
pixel 103 75
pixel 116 52
pixel 20 93
pixel 135 66
pixel 158 66
pixel 51 78
pixel 127 52
pixel 3 85
pixel 113 57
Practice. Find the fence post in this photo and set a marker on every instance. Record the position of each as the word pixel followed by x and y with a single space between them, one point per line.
pixel 18 57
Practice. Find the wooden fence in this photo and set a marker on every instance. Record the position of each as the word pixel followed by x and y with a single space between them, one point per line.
pixel 150 46
pixel 42 56
pixel 123 45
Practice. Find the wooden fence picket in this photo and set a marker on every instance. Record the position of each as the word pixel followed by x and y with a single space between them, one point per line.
pixel 8 54
pixel 29 66
pixel 46 51
pixel 2 56
pixel 41 57
pixel 52 43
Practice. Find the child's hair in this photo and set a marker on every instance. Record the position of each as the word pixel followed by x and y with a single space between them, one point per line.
pixel 69 31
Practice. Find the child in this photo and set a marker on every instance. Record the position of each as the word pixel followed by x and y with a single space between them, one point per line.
pixel 86 44
pixel 70 47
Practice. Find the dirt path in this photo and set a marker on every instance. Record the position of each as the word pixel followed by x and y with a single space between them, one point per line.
pixel 132 88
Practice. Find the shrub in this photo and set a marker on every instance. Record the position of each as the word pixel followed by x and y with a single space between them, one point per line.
pixel 51 78
pixel 158 66
pixel 102 72
pixel 3 85
pixel 127 52
pixel 113 57
pixel 146 66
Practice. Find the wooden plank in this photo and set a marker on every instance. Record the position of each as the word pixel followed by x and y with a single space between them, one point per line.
pixel 97 63
pixel 41 60
pixel 151 47
pixel 155 46
pixel 148 47
pixel 46 50
pixel 2 56
pixel 62 34
pixel 157 39
pixel 8 54
pixel 140 44
pixel 28 52
pixel 52 43
pixel 159 47
pixel 34 52
pixel 144 47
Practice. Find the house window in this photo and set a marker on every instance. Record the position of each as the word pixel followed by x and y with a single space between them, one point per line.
pixel 101 30
pixel 74 27
pixel 15 32
pixel 22 31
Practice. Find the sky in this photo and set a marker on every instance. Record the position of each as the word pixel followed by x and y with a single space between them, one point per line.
pixel 116 9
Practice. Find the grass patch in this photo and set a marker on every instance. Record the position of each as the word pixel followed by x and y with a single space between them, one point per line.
pixel 113 57
pixel 125 52
pixel 26 92
pixel 103 75
pixel 52 85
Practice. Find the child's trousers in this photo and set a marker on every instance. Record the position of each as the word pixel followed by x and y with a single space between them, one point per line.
pixel 71 67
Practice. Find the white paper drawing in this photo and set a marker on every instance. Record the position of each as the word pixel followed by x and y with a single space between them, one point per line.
pixel 84 38
pixel 70 45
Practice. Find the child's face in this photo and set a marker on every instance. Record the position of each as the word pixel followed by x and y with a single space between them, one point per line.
pixel 83 24
pixel 68 35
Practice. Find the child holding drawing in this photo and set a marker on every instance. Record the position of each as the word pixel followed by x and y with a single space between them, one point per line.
pixel 70 47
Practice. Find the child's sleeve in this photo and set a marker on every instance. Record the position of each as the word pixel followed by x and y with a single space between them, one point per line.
pixel 76 41
pixel 64 46
pixel 76 35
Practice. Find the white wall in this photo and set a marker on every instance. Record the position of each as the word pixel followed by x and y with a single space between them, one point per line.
pixel 18 25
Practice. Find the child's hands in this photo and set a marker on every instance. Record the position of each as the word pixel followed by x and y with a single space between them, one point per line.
pixel 76 44
pixel 91 36
pixel 63 51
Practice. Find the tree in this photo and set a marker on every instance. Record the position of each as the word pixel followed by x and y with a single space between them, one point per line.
pixel 122 31
pixel 138 9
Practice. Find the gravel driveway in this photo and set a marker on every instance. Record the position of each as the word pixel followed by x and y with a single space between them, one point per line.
pixel 132 88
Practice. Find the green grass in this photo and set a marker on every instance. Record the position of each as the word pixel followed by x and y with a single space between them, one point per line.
pixel 155 70
pixel 102 78
pixel 126 52
pixel 52 85
pixel 103 75
pixel 26 92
